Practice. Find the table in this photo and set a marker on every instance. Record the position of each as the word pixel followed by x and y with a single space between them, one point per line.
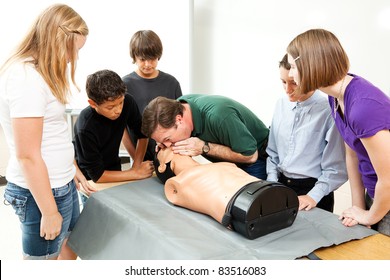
pixel 135 221
pixel 374 247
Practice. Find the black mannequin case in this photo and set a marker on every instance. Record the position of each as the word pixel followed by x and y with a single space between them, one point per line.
pixel 260 208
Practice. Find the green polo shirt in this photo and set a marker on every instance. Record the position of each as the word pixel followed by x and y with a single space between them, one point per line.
pixel 219 119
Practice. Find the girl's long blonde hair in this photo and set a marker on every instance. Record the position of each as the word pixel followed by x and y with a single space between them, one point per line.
pixel 50 45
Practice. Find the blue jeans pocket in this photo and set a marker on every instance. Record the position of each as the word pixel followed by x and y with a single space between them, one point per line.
pixel 61 192
pixel 18 202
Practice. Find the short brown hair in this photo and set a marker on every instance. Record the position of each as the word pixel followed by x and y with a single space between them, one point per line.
pixel 145 44
pixel 160 111
pixel 321 60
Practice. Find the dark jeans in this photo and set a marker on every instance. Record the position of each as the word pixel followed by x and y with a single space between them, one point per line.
pixel 257 169
pixel 303 186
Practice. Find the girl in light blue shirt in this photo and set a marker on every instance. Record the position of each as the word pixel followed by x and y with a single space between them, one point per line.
pixel 306 151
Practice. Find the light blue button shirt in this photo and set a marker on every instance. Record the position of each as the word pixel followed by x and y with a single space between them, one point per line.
pixel 304 142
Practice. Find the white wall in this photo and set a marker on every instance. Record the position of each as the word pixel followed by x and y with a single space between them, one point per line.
pixel 238 43
pixel 111 24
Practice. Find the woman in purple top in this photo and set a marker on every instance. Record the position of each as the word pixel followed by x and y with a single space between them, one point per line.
pixel 362 115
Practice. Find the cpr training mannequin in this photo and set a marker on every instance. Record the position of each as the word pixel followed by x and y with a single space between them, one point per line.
pixel 209 188
pixel 191 189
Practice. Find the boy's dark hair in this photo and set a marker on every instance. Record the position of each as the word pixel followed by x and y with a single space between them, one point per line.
pixel 145 44
pixel 104 85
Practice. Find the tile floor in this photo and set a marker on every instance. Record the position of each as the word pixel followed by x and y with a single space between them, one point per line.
pixel 10 244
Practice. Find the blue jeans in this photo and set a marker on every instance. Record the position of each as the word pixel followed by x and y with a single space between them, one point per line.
pixel 257 169
pixel 35 246
pixel 83 198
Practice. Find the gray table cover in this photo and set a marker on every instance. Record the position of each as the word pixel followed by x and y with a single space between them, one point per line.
pixel 135 221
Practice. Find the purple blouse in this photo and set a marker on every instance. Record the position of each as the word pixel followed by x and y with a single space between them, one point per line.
pixel 366 111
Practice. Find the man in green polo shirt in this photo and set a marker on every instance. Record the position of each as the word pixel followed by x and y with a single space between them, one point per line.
pixel 217 127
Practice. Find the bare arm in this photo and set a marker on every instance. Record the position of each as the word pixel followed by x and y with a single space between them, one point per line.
pixel 128 144
pixel 379 153
pixel 28 139
pixel 356 186
pixel 140 151
pixel 378 149
pixel 193 147
pixel 355 179
pixel 140 169
pixel 145 170
pixel 82 182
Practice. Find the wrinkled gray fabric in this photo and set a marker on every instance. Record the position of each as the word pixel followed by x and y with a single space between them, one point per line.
pixel 135 221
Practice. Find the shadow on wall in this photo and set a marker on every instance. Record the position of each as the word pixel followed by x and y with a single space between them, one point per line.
pixel 202 42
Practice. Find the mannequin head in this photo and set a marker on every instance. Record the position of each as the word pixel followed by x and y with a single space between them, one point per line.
pixel 168 164
pixel 162 164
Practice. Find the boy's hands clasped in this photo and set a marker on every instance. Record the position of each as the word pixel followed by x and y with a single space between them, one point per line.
pixel 144 170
